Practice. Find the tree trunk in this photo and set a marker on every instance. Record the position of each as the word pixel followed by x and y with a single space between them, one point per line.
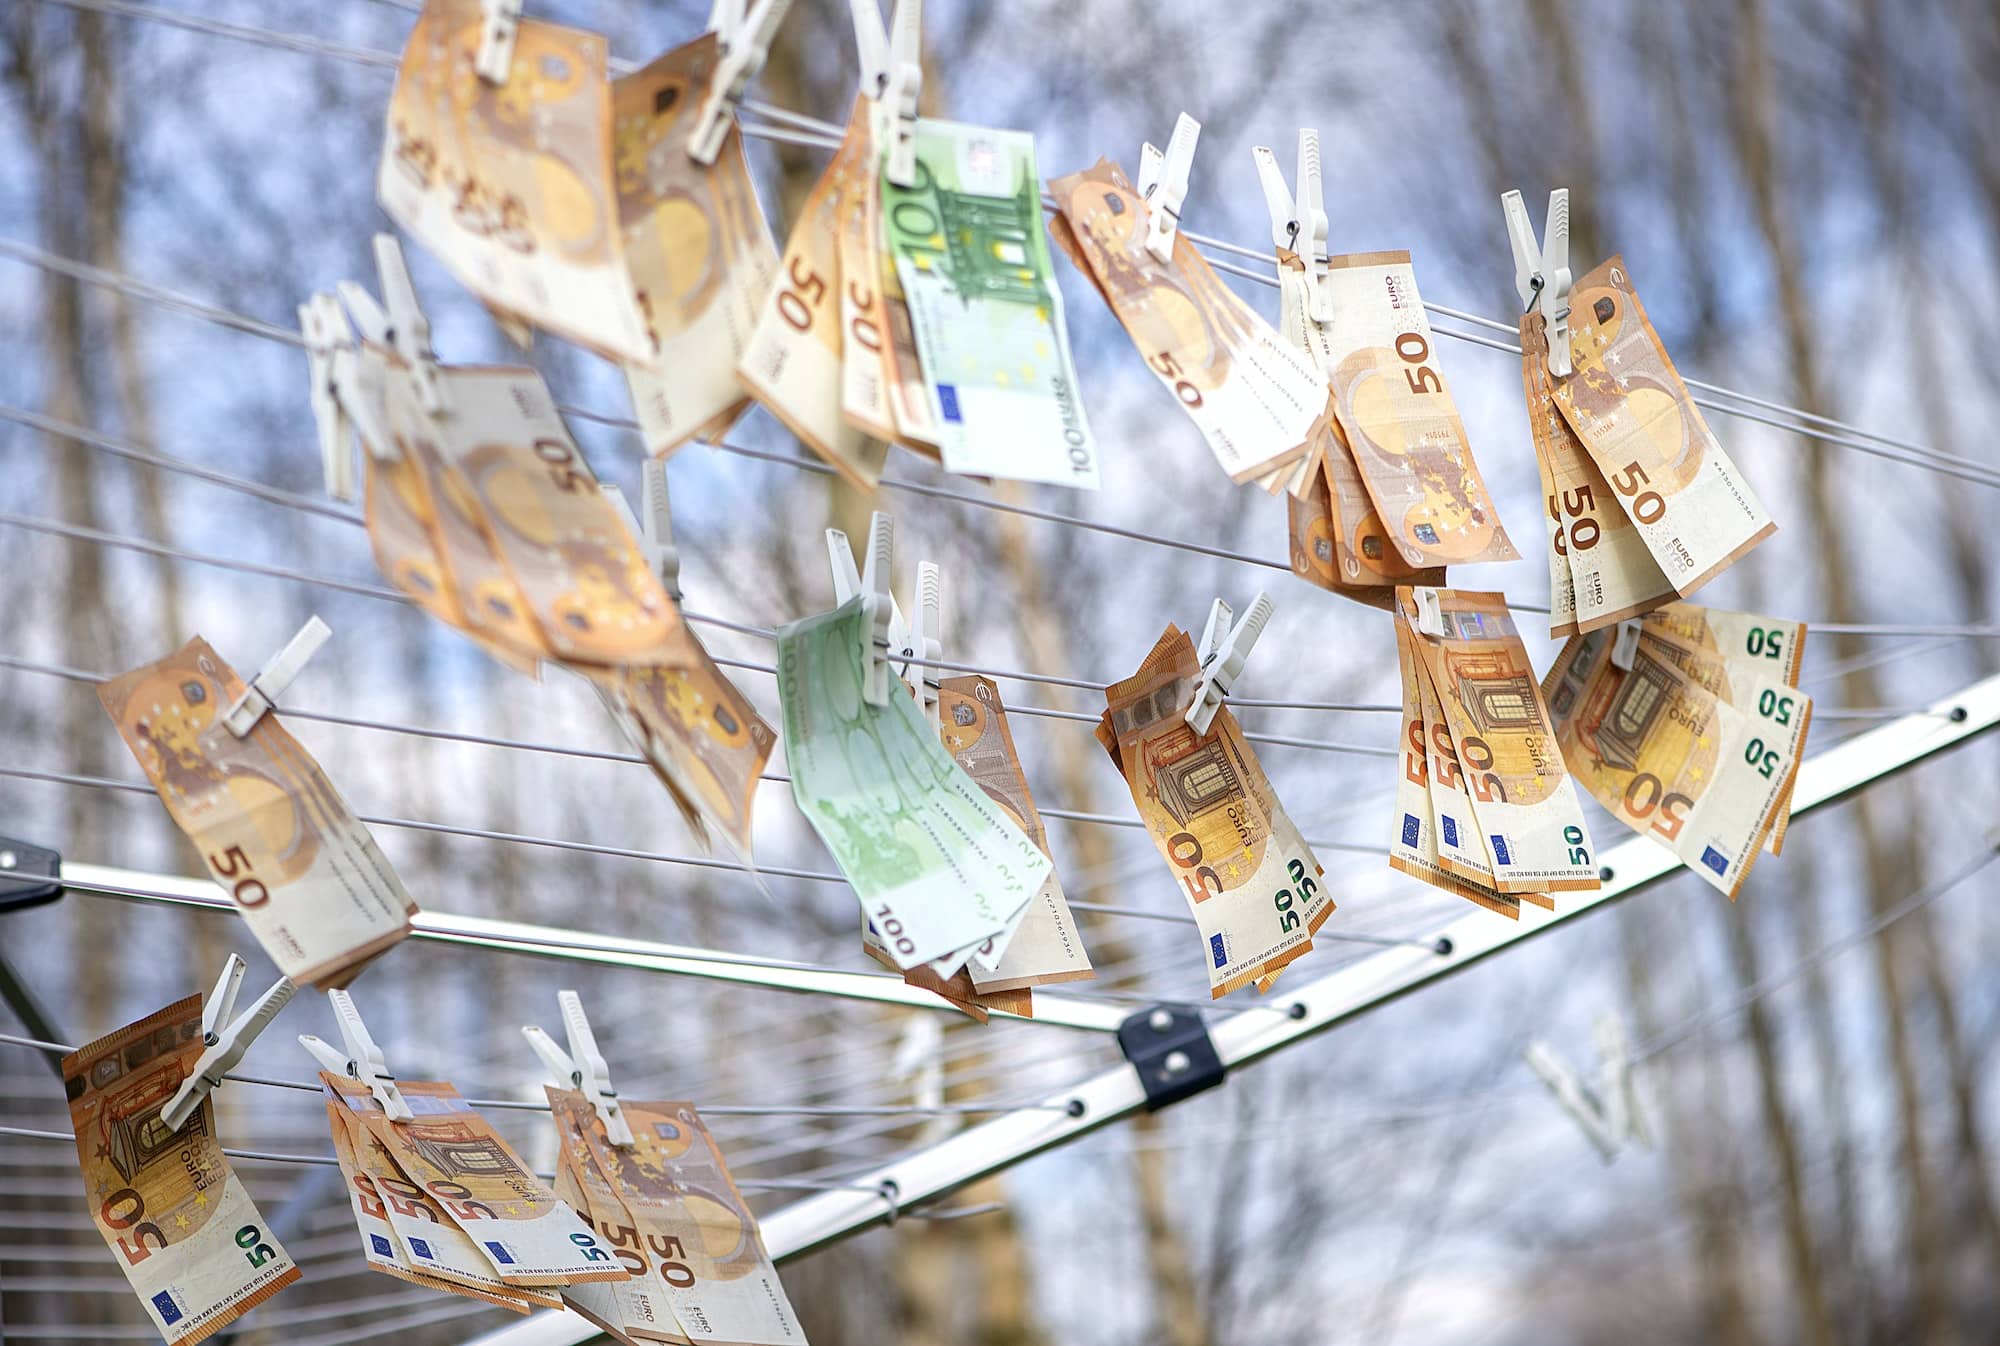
pixel 1888 865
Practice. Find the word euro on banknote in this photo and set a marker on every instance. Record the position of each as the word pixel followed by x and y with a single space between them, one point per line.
pixel 1253 395
pixel 936 864
pixel 1399 420
pixel 711 1257
pixel 308 877
pixel 1638 421
pixel 176 1217
pixel 1706 775
pixel 1252 882
pixel 966 240
pixel 1529 819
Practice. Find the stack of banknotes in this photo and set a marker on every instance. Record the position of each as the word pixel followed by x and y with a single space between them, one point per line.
pixel 924 315
pixel 1484 806
pixel 1045 947
pixel 1350 416
pixel 568 201
pixel 934 829
pixel 1642 504
pixel 442 1201
pixel 1692 734
pixel 486 515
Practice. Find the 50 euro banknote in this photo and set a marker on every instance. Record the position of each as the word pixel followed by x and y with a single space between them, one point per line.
pixel 1530 831
pixel 798 362
pixel 177 1219
pixel 1253 395
pixel 1636 418
pixel 404 1233
pixel 635 1310
pixel 701 1233
pixel 311 883
pixel 1414 847
pixel 454 1157
pixel 1600 569
pixel 1704 774
pixel 1399 420
pixel 509 185
pixel 1255 888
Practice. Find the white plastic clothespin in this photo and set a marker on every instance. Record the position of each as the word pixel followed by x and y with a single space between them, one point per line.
pixel 362 1060
pixel 880 609
pixel 926 640
pixel 656 531
pixel 500 20
pixel 1625 648
pixel 894 639
pixel 1223 650
pixel 746 45
pixel 1299 221
pixel 582 1067
pixel 399 321
pixel 1163 181
pixel 1610 1114
pixel 228 1036
pixel 1541 272
pixel 330 361
pixel 1430 613
pixel 892 73
pixel 272 680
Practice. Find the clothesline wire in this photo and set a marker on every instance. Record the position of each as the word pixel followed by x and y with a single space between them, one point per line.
pixel 717 1110
pixel 143 894
pixel 91 438
pixel 563 750
pixel 1777 981
pixel 1050 811
pixel 81 781
pixel 329 1161
pixel 78 532
pixel 1836 432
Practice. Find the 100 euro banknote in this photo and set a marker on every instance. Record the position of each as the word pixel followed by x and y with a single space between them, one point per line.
pixel 967 243
pixel 937 865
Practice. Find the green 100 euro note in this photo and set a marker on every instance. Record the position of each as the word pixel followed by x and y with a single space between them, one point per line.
pixel 937 864
pixel 967 242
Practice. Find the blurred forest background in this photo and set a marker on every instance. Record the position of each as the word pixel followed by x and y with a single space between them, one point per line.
pixel 1808 195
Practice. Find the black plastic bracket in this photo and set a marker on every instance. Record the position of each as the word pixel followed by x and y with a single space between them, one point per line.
pixel 29 875
pixel 1173 1053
